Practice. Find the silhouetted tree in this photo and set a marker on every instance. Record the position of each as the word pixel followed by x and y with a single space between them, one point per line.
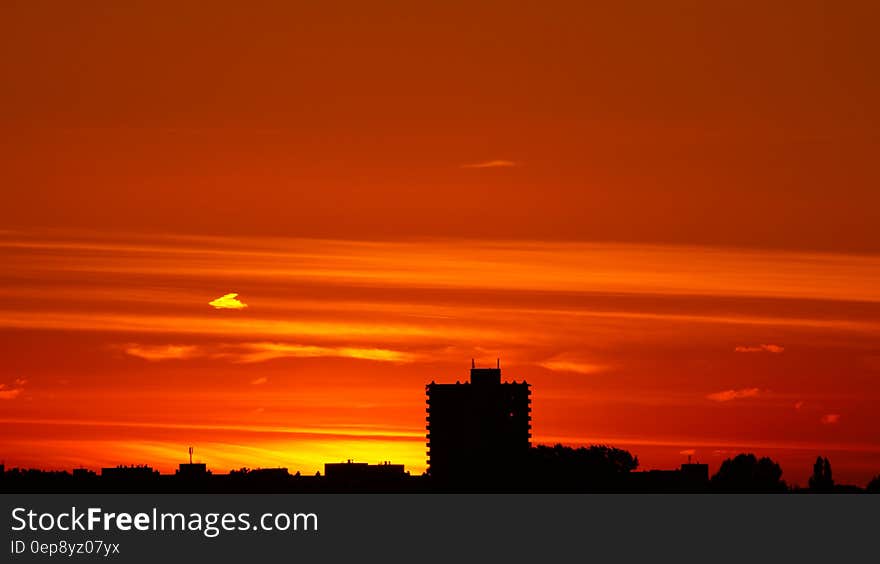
pixel 821 480
pixel 597 467
pixel 874 485
pixel 746 473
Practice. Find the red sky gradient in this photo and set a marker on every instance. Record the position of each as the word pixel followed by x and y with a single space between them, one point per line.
pixel 664 217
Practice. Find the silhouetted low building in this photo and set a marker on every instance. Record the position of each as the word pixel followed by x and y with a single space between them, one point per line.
pixel 129 473
pixel 695 473
pixel 269 473
pixel 360 476
pixel 361 471
pixel 192 470
pixel 690 477
pixel 478 430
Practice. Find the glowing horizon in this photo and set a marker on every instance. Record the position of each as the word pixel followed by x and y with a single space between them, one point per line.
pixel 408 313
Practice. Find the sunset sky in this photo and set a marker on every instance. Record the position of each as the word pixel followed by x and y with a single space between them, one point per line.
pixel 260 229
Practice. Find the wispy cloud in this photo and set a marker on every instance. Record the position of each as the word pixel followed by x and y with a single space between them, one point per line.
pixel 688 452
pixel 9 393
pixel 228 301
pixel 775 349
pixel 162 352
pixel 830 419
pixel 538 265
pixel 499 163
pixel 259 381
pixel 260 352
pixel 567 365
pixel 798 404
pixel 729 395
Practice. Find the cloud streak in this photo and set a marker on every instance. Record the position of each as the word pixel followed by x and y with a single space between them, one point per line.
pixel 10 393
pixel 578 367
pixel 730 395
pixel 264 351
pixel 529 265
pixel 261 352
pixel 162 352
pixel 499 163
pixel 775 349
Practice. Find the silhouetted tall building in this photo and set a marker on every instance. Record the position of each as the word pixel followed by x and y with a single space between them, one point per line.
pixel 477 429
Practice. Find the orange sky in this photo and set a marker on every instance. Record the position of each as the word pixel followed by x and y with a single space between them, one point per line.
pixel 664 217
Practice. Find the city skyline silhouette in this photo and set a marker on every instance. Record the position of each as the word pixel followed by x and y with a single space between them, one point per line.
pixel 478 440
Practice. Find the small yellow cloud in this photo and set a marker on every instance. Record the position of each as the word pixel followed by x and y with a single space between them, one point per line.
pixel 228 301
